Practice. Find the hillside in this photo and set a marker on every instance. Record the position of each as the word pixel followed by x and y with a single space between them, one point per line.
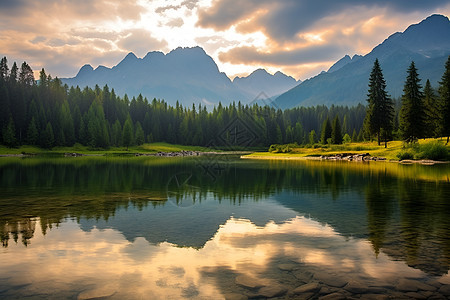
pixel 426 43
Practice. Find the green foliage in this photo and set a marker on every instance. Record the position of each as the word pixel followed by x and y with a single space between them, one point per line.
pixel 354 136
pixel 275 148
pixel 312 137
pixel 48 138
pixel 32 133
pixel 433 150
pixel 444 93
pixel 347 139
pixel 412 116
pixel 127 135
pixel 9 134
pixel 380 110
pixel 431 111
pixel 139 135
pixel 326 131
pixel 336 134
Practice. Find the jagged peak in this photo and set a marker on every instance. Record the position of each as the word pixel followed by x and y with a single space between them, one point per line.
pixel 130 56
pixel 87 68
pixel 152 54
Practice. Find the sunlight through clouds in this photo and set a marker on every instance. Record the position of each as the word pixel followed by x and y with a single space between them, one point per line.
pixel 241 36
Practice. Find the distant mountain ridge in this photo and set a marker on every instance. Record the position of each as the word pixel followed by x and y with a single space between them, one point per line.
pixel 426 43
pixel 188 75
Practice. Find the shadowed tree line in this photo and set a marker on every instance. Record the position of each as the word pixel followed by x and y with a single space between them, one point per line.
pixel 47 113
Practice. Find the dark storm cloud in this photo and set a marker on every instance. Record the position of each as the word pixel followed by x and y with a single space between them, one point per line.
pixel 282 20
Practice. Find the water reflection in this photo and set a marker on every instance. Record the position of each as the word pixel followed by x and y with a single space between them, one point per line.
pixel 101 262
pixel 278 223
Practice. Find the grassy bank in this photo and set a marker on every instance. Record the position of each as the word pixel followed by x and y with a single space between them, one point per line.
pixel 397 150
pixel 145 148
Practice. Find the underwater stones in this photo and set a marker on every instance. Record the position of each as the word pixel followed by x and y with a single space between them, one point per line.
pixel 272 291
pixel 309 287
pixel 249 282
pixel 330 280
pixel 356 287
pixel 374 297
pixel 303 276
pixel 445 290
pixel 286 267
pixel 333 296
pixel 235 296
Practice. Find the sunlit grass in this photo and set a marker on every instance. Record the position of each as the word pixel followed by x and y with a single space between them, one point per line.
pixel 390 153
pixel 78 148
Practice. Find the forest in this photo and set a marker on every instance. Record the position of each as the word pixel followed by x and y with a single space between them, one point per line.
pixel 47 113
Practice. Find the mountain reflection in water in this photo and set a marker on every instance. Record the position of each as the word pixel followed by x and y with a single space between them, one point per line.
pixel 120 227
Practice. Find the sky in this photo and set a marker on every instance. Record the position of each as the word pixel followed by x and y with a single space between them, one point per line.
pixel 298 37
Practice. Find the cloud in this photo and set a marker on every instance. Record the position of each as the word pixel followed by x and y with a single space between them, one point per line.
pixel 283 20
pixel 251 54
pixel 177 22
pixel 140 42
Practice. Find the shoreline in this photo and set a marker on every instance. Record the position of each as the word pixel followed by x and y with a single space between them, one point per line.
pixel 182 153
pixel 319 158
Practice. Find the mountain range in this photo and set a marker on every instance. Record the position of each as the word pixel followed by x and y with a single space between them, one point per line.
pixel 346 82
pixel 189 75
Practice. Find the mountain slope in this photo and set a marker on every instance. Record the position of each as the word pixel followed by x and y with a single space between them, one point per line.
pixel 426 43
pixel 188 75
pixel 260 81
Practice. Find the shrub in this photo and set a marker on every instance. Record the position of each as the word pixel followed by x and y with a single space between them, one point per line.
pixel 433 150
pixel 405 154
pixel 347 139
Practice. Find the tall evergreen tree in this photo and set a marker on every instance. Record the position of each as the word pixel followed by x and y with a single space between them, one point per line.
pixel 26 76
pixel 432 111
pixel 127 135
pixel 412 112
pixel 336 134
pixel 326 131
pixel 380 110
pixel 48 138
pixel 139 135
pixel 9 134
pixel 444 92
pixel 4 69
pixel 32 133
pixel 312 137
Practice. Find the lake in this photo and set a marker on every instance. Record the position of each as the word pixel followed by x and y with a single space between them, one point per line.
pixel 216 227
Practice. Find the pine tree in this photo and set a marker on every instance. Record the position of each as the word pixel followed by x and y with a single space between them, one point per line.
pixel 354 136
pixel 9 134
pixel 412 112
pixel 139 135
pixel 32 132
pixel 48 138
pixel 336 134
pixel 380 110
pixel 4 70
pixel 312 137
pixel 326 131
pixel 127 135
pixel 444 92
pixel 432 111
pixel 26 76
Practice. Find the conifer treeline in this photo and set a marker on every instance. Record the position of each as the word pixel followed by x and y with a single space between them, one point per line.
pixel 422 114
pixel 50 114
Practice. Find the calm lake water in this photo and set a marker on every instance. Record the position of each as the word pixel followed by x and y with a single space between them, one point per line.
pixel 220 227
